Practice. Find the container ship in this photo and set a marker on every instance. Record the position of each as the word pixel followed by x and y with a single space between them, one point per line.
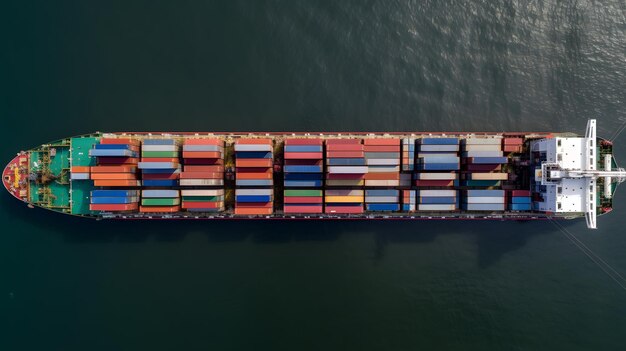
pixel 498 176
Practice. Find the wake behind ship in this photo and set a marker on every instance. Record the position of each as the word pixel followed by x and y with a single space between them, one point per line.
pixel 518 176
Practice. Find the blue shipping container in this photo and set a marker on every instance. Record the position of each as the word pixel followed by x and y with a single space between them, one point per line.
pixel 112 146
pixel 303 148
pixel 303 183
pixel 438 200
pixel 253 198
pixel 112 153
pixel 345 161
pixel 303 169
pixel 113 200
pixel 439 141
pixel 304 176
pixel 382 192
pixel 489 160
pixel 253 154
pixel 485 193
pixel 520 207
pixel 520 200
pixel 159 142
pixel 114 193
pixel 254 182
pixel 382 207
pixel 164 182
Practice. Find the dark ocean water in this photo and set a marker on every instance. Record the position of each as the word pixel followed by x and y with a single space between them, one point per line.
pixel 74 67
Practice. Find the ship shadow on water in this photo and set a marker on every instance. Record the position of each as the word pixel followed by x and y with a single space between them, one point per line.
pixel 493 239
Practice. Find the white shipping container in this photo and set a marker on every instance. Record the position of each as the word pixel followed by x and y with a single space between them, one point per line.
pixel 202 192
pixel 383 199
pixel 441 154
pixel 436 207
pixel 483 154
pixel 253 147
pixel 384 169
pixel 79 176
pixel 345 182
pixel 382 161
pixel 482 147
pixel 482 141
pixel 159 148
pixel 344 192
pixel 203 148
pixel 437 193
pixel 377 182
pixel 347 169
pixel 190 182
pixel 484 200
pixel 254 192
pixel 489 176
pixel 439 148
pixel 438 176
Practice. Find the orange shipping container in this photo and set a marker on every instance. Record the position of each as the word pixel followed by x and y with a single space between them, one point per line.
pixel 130 141
pixel 253 211
pixel 193 168
pixel 160 209
pixel 80 169
pixel 265 162
pixel 113 169
pixel 253 141
pixel 118 176
pixel 202 154
pixel 380 141
pixel 218 142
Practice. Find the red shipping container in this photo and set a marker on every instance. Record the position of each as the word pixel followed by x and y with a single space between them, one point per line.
pixel 343 141
pixel 344 209
pixel 218 142
pixel 159 209
pixel 381 141
pixel 345 176
pixel 109 182
pixel 512 148
pixel 253 211
pixel 254 204
pixel 263 162
pixel 202 154
pixel 255 141
pixel 117 160
pixel 513 141
pixel 304 155
pixel 202 204
pixel 520 193
pixel 344 147
pixel 434 183
pixel 303 199
pixel 204 161
pixel 201 175
pixel 254 170
pixel 114 207
pixel 302 141
pixel 384 148
pixel 113 169
pixel 122 176
pixel 345 154
pixel 483 168
pixel 80 169
pixel 160 159
pixel 303 209
pixel 119 141
pixel 192 168
pixel 303 162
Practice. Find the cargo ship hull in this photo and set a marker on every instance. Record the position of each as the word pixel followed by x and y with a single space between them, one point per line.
pixel 296 176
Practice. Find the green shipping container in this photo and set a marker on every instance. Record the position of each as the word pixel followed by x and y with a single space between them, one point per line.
pixel 303 193
pixel 160 202
pixel 159 154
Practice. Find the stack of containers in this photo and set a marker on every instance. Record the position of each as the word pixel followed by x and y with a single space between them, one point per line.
pixel 408 154
pixel 304 163
pixel 382 200
pixel 345 162
pixel 438 162
pixel 382 157
pixel 408 200
pixel 520 200
pixel 254 172
pixel 160 163
pixel 80 173
pixel 343 201
pixel 483 200
pixel 161 201
pixel 254 201
pixel 114 200
pixel 203 200
pixel 483 159
pixel 203 163
pixel 116 162
pixel 438 200
pixel 512 145
pixel 303 201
